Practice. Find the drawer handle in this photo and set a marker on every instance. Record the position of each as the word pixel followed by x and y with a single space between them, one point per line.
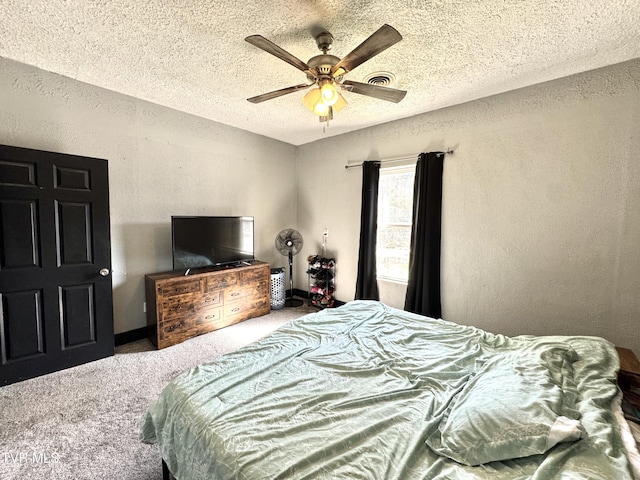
pixel 235 294
pixel 209 317
pixel 237 309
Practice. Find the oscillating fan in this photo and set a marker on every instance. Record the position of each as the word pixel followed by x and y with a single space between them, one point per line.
pixel 289 243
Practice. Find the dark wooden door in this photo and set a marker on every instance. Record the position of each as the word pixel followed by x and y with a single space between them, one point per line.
pixel 55 262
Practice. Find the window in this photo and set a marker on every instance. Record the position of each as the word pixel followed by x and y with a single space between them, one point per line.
pixel 395 210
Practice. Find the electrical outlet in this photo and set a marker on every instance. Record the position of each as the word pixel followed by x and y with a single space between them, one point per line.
pixel 144 307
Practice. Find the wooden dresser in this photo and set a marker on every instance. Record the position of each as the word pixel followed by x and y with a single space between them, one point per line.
pixel 629 383
pixel 180 307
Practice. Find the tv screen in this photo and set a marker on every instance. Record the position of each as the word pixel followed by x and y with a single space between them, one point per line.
pixel 208 241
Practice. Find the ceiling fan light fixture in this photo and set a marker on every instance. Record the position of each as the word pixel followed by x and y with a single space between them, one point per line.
pixel 321 109
pixel 315 101
pixel 311 98
pixel 340 103
pixel 329 92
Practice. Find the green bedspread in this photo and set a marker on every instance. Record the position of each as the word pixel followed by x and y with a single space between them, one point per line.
pixel 369 392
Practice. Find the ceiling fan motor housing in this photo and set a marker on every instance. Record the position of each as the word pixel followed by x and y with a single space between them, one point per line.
pixel 322 64
pixel 324 41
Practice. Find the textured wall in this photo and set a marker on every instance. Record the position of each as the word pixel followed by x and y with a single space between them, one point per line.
pixel 161 163
pixel 541 202
pixel 541 198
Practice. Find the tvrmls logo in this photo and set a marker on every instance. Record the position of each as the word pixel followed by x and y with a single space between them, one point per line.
pixel 32 457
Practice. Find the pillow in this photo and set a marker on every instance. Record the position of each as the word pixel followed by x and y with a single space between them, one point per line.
pixel 518 404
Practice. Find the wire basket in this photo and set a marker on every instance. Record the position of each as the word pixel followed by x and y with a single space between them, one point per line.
pixel 278 290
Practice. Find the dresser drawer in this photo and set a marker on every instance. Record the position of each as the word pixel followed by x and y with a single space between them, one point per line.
pixel 175 308
pixel 259 289
pixel 232 294
pixel 209 300
pixel 222 280
pixel 210 316
pixel 245 308
pixel 179 288
pixel 176 329
pixel 179 305
pixel 254 275
pixel 191 325
pixel 234 308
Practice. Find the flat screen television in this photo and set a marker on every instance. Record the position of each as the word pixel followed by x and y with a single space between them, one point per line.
pixel 209 241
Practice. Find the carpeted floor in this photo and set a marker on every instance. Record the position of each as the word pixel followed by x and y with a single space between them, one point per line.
pixel 82 423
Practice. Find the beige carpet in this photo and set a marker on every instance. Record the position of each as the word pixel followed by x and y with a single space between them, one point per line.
pixel 82 423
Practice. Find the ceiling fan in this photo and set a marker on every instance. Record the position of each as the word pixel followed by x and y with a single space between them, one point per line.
pixel 326 72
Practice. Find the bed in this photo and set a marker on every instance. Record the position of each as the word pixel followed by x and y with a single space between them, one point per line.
pixel 366 391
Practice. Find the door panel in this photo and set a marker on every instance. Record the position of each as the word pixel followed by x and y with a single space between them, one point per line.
pixel 77 319
pixel 21 329
pixel 72 178
pixel 17 173
pixel 54 225
pixel 73 228
pixel 20 249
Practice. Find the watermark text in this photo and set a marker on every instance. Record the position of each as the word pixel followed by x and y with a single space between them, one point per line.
pixel 30 457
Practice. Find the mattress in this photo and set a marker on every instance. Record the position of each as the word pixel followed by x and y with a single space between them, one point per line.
pixel 366 391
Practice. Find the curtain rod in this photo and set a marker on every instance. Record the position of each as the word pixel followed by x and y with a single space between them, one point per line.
pixel 391 160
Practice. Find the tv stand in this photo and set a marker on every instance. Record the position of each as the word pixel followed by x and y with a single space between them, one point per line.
pixel 181 306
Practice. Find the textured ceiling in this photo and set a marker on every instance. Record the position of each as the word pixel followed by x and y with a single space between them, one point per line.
pixel 191 55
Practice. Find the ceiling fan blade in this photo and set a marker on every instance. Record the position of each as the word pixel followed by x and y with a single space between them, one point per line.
pixel 379 41
pixel 383 93
pixel 270 47
pixel 277 93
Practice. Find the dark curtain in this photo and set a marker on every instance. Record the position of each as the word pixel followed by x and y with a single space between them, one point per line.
pixel 423 289
pixel 367 283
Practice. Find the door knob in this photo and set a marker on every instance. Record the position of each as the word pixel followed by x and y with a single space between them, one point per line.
pixel 104 272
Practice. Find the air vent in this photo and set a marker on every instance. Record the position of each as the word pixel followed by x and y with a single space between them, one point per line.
pixel 381 79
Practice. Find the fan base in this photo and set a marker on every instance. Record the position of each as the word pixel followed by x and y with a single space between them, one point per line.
pixel 293 302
